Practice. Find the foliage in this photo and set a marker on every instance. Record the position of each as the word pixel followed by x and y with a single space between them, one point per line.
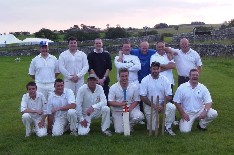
pixel 117 32
pixel 149 32
pixel 46 33
pixel 197 23
pixel 161 25
pixel 82 35
pixel 228 24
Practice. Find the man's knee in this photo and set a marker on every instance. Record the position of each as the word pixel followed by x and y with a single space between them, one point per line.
pixel 26 116
pixel 42 132
pixel 171 107
pixel 212 114
pixel 106 109
pixel 71 112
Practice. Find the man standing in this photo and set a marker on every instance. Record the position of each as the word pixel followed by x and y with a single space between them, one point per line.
pixel 44 69
pixel 144 54
pixel 91 103
pixel 131 62
pixel 166 62
pixel 100 65
pixel 155 85
pixel 73 64
pixel 193 101
pixel 117 101
pixel 33 109
pixel 61 104
pixel 186 59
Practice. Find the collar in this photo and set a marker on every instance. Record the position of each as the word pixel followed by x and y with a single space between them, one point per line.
pixel 98 52
pixel 31 98
pixel 46 57
pixel 120 87
pixel 86 85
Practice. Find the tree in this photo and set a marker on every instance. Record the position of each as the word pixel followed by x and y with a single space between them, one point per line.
pixel 160 26
pixel 82 35
pixel 231 23
pixel 117 32
pixel 46 33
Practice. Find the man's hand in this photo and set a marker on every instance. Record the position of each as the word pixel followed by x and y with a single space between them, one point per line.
pixel 56 109
pixel 203 115
pixel 185 117
pixel 74 78
pixel 84 123
pixel 89 111
pixel 101 82
pixel 39 112
pixel 41 124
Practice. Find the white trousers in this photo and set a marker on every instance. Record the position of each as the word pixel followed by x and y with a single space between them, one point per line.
pixel 60 123
pixel 169 118
pixel 28 120
pixel 104 112
pixel 73 86
pixel 45 89
pixel 187 126
pixel 135 116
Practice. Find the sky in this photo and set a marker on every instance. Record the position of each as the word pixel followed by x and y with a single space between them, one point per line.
pixel 32 15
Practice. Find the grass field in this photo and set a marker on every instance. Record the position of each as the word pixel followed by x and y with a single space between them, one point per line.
pixel 217 75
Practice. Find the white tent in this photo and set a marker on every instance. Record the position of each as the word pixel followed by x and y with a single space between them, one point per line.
pixel 35 41
pixel 8 39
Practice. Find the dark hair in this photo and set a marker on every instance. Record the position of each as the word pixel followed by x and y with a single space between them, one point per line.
pixel 31 83
pixel 71 39
pixel 58 80
pixel 122 70
pixel 155 64
pixel 193 70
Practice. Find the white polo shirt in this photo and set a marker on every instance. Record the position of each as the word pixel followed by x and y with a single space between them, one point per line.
pixel 44 69
pixel 86 98
pixel 38 104
pixel 186 61
pixel 116 94
pixel 70 64
pixel 55 101
pixel 163 59
pixel 132 63
pixel 192 99
pixel 155 87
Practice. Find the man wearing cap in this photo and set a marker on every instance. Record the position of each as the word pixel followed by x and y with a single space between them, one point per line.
pixel 44 70
pixel 165 60
pixel 155 85
pixel 73 64
pixel 117 100
pixel 91 104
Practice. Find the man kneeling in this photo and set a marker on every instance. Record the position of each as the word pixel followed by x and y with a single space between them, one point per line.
pixel 117 100
pixel 61 105
pixel 91 103
pixel 33 109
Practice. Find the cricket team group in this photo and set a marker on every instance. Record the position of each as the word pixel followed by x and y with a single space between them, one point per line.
pixel 144 85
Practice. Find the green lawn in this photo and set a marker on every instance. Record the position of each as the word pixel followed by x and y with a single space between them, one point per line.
pixel 217 75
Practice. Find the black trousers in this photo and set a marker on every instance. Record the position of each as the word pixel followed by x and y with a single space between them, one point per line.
pixel 182 79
